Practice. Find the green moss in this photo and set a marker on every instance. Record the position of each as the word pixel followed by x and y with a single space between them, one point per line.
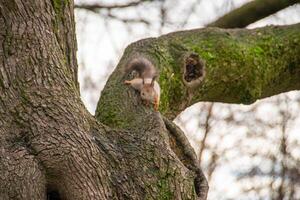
pixel 164 191
pixel 108 113
pixel 59 6
pixel 257 51
pixel 164 183
pixel 59 9
pixel 111 117
pixel 237 65
pixel 172 86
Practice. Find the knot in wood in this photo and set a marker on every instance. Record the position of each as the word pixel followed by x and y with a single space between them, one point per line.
pixel 193 70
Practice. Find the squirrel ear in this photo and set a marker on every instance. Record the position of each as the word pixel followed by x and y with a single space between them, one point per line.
pixel 153 80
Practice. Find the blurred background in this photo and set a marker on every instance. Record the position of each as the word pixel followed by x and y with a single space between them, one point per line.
pixel 246 152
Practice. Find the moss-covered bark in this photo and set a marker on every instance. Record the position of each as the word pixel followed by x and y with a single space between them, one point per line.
pixel 241 67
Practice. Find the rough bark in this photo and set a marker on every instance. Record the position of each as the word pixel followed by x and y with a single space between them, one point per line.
pixel 45 140
pixel 51 146
pixel 251 12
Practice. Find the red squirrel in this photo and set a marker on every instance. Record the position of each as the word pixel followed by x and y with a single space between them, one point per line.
pixel 145 83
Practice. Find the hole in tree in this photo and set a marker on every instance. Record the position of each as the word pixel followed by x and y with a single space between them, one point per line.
pixel 194 68
pixel 53 195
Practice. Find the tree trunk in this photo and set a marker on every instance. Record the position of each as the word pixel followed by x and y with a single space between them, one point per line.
pixel 51 147
pixel 46 142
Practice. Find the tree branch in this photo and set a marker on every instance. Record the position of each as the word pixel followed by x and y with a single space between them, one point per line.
pixel 127 20
pixel 241 67
pixel 97 6
pixel 185 152
pixel 251 12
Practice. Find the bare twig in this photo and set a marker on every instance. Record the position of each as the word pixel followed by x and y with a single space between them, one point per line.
pixel 97 6
pixel 127 20
pixel 201 185
pixel 207 130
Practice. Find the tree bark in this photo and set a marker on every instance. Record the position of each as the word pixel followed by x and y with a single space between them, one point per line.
pixel 251 12
pixel 45 141
pixel 51 146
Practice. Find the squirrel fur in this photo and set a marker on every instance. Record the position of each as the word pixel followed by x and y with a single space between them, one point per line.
pixel 145 83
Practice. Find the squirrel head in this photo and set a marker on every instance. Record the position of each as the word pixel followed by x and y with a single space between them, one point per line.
pixel 147 91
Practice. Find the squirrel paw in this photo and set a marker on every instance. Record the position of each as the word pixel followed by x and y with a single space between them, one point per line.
pixel 146 103
pixel 156 104
pixel 126 82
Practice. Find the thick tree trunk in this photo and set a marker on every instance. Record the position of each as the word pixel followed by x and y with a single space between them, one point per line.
pixel 45 131
pixel 50 144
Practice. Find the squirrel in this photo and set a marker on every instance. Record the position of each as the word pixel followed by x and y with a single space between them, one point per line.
pixel 145 83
